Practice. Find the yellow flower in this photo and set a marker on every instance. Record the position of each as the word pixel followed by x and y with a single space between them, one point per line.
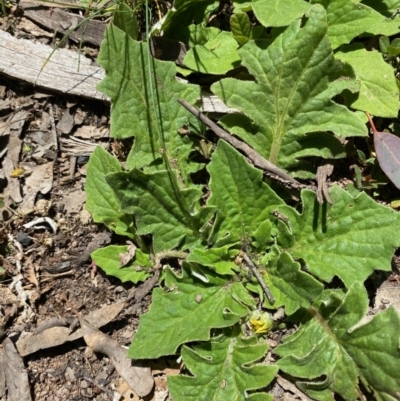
pixel 260 322
pixel 18 172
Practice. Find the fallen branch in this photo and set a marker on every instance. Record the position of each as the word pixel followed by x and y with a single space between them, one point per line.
pixel 139 378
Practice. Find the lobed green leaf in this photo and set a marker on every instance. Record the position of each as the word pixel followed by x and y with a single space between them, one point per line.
pixel 218 259
pixel 101 201
pixel 187 313
pixel 240 27
pixel 217 56
pixel 379 94
pixel 348 19
pixel 334 352
pixel 223 369
pixel 125 19
pixel 292 95
pixel 349 239
pixel 161 208
pixel 279 12
pixel 239 195
pixel 290 286
pixel 144 94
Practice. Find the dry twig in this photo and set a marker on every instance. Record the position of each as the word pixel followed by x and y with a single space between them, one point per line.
pixel 257 275
pixel 259 161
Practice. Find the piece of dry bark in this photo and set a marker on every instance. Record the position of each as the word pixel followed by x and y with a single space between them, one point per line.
pixel 59 335
pixel 16 376
pixel 57 20
pixel 24 59
pixel 66 71
pixel 92 132
pixel 33 29
pixel 139 378
pixel 78 147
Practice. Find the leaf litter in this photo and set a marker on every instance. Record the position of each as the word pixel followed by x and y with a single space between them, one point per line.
pixel 55 261
pixel 294 236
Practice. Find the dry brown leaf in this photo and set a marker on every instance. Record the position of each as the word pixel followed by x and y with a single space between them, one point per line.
pixel 31 273
pixel 126 257
pixel 92 132
pixel 74 201
pixel 5 127
pixel 59 335
pixel 41 180
pixel 66 123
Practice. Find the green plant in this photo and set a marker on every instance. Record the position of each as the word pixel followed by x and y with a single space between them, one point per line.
pixel 209 307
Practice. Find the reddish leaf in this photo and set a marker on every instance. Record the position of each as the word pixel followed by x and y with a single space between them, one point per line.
pixel 387 147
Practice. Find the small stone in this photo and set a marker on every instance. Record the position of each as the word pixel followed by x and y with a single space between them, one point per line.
pixel 24 239
pixel 70 374
pixel 82 160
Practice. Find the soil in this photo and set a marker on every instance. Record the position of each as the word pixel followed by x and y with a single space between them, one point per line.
pixel 44 267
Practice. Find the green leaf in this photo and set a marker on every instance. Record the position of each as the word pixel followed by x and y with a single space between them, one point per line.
pixel 330 343
pixel 279 12
pixel 160 207
pixel 223 369
pixel 349 239
pixel 387 26
pixel 384 43
pixel 218 259
pixel 291 287
pixel 379 94
pixel 292 95
pixel 217 56
pixel 262 236
pixel 124 18
pixel 200 34
pixel 108 260
pixel 240 26
pixel 385 7
pixel 187 313
pixel 101 201
pixel 348 19
pixel 242 200
pixel 183 13
pixel 144 102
